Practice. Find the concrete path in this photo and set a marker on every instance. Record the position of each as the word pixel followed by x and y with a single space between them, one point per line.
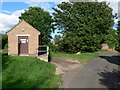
pixel 100 72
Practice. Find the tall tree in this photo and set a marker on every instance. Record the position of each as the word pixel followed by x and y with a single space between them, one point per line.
pixel 118 30
pixel 57 39
pixel 41 20
pixel 85 25
pixel 118 37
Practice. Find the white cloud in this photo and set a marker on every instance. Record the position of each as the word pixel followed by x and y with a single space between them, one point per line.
pixel 47 1
pixel 5 11
pixel 110 0
pixel 115 21
pixel 59 1
pixel 45 5
pixel 114 6
pixel 8 21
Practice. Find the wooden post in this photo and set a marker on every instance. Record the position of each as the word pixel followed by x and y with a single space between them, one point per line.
pixel 47 50
pixel 37 51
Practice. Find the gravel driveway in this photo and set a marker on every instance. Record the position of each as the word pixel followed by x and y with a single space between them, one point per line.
pixel 100 72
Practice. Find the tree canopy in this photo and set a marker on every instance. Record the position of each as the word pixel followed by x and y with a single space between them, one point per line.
pixel 85 25
pixel 41 20
pixel 57 39
pixel 118 37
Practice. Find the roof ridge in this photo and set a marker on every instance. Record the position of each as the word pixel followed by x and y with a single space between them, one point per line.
pixel 19 23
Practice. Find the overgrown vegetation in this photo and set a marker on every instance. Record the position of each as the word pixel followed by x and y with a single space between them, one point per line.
pixel 85 25
pixel 28 72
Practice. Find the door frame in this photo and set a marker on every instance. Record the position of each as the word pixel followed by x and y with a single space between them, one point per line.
pixel 19 43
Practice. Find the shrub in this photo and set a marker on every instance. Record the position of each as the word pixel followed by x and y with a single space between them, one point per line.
pixel 5 50
pixel 4 40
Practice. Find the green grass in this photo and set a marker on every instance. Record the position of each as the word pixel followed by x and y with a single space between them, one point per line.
pixel 105 51
pixel 28 72
pixel 83 57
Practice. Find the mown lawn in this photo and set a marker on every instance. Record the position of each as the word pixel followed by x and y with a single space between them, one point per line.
pixel 28 72
pixel 82 58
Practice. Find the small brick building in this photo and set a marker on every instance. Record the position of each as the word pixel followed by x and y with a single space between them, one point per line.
pixel 23 40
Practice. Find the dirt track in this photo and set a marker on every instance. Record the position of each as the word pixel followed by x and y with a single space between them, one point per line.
pixel 64 65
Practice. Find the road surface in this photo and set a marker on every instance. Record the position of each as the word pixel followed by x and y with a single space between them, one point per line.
pixel 100 72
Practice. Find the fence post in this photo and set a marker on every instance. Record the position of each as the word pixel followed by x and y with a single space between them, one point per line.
pixel 47 50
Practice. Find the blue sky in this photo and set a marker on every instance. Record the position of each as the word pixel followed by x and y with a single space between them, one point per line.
pixel 13 6
pixel 11 10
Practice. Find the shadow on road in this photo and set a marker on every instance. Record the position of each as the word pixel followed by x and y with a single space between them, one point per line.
pixel 110 79
pixel 112 59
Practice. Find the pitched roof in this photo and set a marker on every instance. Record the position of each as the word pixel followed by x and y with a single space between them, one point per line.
pixel 19 23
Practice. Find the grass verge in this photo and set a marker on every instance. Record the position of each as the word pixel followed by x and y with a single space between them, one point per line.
pixel 105 51
pixel 82 58
pixel 28 72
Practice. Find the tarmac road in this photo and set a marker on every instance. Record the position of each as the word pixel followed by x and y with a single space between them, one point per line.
pixel 100 72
